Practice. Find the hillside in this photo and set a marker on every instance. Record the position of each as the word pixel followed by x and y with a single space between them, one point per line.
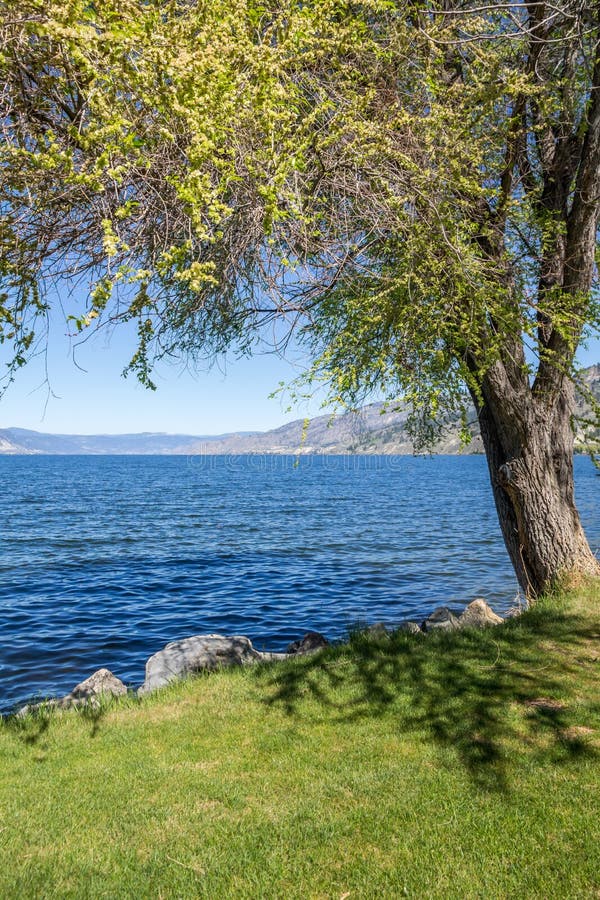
pixel 17 441
pixel 374 429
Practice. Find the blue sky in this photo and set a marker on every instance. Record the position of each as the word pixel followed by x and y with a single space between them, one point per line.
pixel 86 393
pixel 232 397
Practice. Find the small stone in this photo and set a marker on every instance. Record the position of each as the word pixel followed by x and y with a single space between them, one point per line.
pixel 272 656
pixel 87 693
pixel 45 705
pixel 479 615
pixel 378 630
pixel 441 619
pixel 311 642
pixel 102 682
pixel 514 612
pixel 410 627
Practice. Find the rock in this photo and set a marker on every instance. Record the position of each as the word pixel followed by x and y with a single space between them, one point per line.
pixel 34 707
pixel 203 652
pixel 410 627
pixel 101 683
pixel 87 693
pixel 514 612
pixel 441 618
pixel 478 615
pixel 377 630
pixel 311 641
pixel 271 656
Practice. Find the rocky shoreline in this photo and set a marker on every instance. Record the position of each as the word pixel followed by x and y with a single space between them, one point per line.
pixel 210 652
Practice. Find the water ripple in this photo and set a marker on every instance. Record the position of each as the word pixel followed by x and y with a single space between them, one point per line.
pixel 105 559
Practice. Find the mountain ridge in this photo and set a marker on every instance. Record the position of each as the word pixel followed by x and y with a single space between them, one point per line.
pixel 374 429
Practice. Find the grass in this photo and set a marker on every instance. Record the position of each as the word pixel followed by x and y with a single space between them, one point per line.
pixel 455 766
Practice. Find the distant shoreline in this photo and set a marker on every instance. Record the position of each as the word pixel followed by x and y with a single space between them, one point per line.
pixel 374 430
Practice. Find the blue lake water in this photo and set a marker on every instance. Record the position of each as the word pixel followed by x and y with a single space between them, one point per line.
pixel 105 559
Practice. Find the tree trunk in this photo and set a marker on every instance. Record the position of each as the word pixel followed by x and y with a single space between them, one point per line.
pixel 529 451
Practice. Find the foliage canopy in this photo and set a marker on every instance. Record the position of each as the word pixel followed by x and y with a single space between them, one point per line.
pixel 378 174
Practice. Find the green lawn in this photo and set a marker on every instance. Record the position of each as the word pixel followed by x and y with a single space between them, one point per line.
pixel 458 765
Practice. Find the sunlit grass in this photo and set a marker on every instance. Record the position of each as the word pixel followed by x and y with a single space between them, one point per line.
pixel 460 765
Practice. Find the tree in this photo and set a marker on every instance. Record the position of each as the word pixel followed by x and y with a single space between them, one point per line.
pixel 412 186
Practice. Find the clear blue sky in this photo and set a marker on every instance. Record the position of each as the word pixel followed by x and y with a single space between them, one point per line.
pixel 233 396
pixel 100 400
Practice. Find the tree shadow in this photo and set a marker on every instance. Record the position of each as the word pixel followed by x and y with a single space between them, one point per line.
pixel 93 713
pixel 31 728
pixel 490 695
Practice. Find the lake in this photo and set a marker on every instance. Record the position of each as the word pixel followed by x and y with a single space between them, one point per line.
pixel 106 558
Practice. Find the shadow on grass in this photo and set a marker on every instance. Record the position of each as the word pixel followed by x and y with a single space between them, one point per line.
pixel 490 695
pixel 32 727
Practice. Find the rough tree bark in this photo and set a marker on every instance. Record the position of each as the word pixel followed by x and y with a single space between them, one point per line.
pixel 529 449
pixel 527 429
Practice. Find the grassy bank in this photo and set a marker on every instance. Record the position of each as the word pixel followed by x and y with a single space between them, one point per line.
pixel 463 765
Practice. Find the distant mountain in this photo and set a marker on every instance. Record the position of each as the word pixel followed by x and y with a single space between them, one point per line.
pixel 373 429
pixel 22 441
pixel 588 434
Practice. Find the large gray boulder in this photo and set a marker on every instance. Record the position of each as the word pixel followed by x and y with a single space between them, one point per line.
pixel 441 619
pixel 479 615
pixel 88 693
pixel 203 652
